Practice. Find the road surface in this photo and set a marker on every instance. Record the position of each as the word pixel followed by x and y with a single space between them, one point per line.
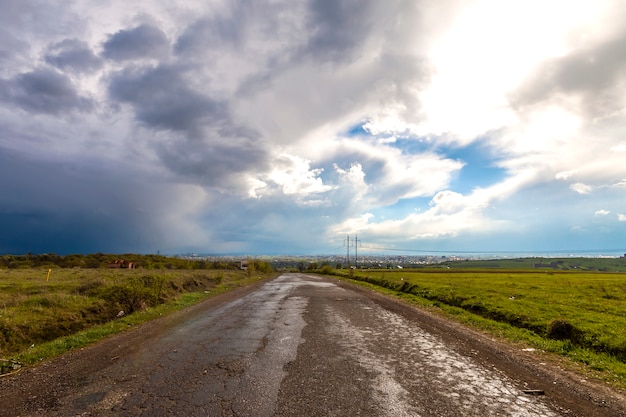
pixel 301 345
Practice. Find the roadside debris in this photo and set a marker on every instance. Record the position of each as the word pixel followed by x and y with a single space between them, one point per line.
pixel 9 367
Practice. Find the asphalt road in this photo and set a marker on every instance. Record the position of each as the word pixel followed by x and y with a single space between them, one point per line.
pixel 298 345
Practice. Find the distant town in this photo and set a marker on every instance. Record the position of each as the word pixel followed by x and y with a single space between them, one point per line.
pixel 335 261
pixel 307 262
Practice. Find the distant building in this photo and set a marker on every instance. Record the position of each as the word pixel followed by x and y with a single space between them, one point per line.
pixel 121 264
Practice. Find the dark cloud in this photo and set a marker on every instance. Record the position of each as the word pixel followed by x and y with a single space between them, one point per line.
pixel 28 17
pixel 40 231
pixel 207 34
pixel 44 91
pixel 162 99
pixel 591 73
pixel 213 161
pixel 332 31
pixel 242 22
pixel 86 207
pixel 267 224
pixel 73 55
pixel 144 41
pixel 206 147
pixel 11 47
pixel 338 28
pixel 67 208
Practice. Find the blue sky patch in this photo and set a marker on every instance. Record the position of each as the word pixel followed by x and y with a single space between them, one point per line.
pixel 413 145
pixel 402 208
pixel 480 168
pixel 357 130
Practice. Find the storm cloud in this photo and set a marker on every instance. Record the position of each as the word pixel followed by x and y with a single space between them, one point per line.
pixel 72 55
pixel 161 99
pixel 141 42
pixel 44 91
pixel 590 74
pixel 281 126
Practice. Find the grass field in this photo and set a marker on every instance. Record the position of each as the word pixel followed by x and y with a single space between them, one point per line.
pixel 581 315
pixel 42 316
pixel 560 264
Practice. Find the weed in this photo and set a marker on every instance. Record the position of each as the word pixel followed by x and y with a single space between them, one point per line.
pixel 9 365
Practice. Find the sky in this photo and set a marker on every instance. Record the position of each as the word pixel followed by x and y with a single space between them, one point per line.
pixel 283 127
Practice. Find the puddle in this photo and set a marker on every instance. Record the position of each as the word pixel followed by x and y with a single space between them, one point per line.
pixel 410 362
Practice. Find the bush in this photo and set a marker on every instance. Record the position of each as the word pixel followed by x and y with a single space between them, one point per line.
pixel 130 298
pixel 327 270
pixel 560 329
pixel 90 287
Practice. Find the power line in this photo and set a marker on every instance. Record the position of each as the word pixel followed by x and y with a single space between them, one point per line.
pixel 348 243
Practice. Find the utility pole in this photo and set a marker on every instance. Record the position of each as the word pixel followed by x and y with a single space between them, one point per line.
pixel 356 258
pixel 348 250
pixel 356 255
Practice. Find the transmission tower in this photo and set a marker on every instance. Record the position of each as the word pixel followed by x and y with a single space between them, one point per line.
pixel 349 243
pixel 356 258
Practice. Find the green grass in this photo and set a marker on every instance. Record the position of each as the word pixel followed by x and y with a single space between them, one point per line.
pixel 40 319
pixel 562 264
pixel 527 307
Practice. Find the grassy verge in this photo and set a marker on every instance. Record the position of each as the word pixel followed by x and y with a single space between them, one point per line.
pixel 41 318
pixel 577 315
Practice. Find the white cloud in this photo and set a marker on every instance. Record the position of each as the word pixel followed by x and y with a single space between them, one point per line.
pixel 354 174
pixel 386 174
pixel 448 202
pixel 621 217
pixel 450 214
pixel 293 175
pixel 619 148
pixel 565 175
pixel 581 188
pixel 602 213
pixel 447 218
pixel 473 70
pixel 621 184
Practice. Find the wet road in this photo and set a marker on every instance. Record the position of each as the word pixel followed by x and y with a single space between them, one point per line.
pixel 297 346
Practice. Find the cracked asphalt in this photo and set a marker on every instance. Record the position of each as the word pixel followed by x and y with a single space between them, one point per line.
pixel 301 345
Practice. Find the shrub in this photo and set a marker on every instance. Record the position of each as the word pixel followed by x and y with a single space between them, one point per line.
pixel 91 287
pixel 327 270
pixel 130 298
pixel 561 329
